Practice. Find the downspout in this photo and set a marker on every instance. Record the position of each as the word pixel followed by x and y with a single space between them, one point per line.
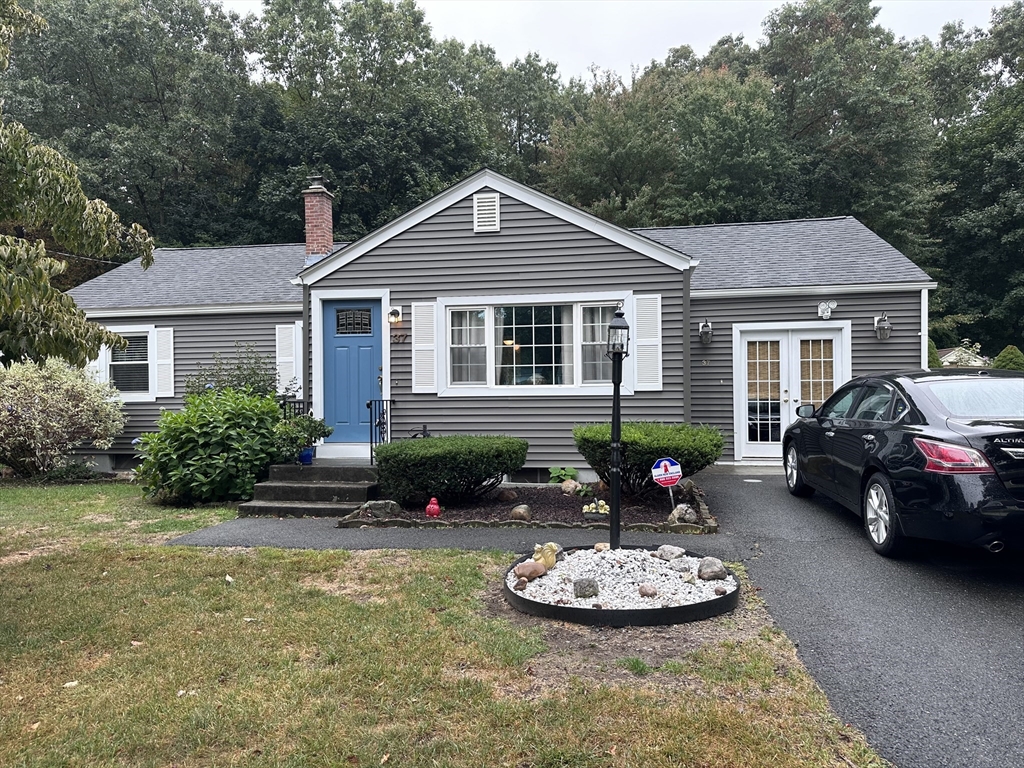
pixel 687 362
pixel 307 324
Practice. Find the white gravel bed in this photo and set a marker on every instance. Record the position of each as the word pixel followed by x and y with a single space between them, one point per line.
pixel 619 574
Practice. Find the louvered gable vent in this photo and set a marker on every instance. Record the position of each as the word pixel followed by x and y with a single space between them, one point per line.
pixel 486 213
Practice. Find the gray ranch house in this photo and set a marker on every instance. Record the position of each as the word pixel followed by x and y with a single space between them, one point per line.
pixel 484 310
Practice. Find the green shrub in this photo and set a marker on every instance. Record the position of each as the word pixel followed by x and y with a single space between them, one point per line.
pixel 643 443
pixel 215 449
pixel 1010 359
pixel 47 410
pixel 455 468
pixel 248 371
pixel 934 361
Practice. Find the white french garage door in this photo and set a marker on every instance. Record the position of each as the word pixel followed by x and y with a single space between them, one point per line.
pixel 776 370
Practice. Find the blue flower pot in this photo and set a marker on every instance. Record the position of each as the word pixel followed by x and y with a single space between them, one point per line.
pixel 306 456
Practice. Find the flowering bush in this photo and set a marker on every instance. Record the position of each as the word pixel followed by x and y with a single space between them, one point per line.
pixel 47 410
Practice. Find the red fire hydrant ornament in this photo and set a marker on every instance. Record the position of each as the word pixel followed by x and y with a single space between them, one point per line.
pixel 433 508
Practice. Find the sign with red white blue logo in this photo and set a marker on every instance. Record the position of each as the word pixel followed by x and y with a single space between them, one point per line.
pixel 666 472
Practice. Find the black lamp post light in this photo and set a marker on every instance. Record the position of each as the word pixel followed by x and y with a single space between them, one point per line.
pixel 618 348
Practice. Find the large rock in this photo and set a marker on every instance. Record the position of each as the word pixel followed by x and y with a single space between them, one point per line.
pixel 669 552
pixel 505 495
pixel 648 590
pixel 684 513
pixel 569 487
pixel 530 569
pixel 521 512
pixel 711 568
pixel 381 508
pixel 585 587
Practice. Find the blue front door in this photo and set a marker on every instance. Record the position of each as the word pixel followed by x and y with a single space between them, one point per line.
pixel 352 367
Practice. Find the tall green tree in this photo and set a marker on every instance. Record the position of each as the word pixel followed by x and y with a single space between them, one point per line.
pixel 40 193
pixel 980 221
pixel 144 95
pixel 855 113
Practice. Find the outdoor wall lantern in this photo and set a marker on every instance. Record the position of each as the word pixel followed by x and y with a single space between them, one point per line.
pixel 705 332
pixel 825 308
pixel 618 348
pixel 883 328
pixel 395 315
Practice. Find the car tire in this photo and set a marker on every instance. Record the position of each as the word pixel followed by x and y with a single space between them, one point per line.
pixel 794 479
pixel 880 522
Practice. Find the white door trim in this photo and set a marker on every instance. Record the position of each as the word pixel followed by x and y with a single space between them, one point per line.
pixel 842 370
pixel 317 299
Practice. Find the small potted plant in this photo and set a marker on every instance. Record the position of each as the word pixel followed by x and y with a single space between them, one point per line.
pixel 310 430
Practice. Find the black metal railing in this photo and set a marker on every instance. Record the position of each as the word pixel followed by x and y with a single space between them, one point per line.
pixel 380 426
pixel 293 408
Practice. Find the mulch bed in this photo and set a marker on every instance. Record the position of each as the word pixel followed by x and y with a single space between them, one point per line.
pixel 549 505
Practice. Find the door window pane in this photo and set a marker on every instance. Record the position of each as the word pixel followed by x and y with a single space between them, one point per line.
pixel 817 363
pixel 874 406
pixel 764 420
pixel 353 322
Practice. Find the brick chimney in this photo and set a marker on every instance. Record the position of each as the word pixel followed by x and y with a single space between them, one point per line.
pixel 319 221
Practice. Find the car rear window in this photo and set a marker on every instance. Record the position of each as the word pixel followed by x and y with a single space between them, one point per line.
pixel 981 398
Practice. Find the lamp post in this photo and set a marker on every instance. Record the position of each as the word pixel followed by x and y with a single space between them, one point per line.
pixel 618 348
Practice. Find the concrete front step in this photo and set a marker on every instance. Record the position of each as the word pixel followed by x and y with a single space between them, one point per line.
pixel 326 473
pixel 298 508
pixel 315 490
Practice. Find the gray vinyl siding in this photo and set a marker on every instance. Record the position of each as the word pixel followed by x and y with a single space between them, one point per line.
pixel 711 364
pixel 534 253
pixel 196 339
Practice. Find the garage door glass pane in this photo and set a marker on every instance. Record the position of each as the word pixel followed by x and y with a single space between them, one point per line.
pixel 763 388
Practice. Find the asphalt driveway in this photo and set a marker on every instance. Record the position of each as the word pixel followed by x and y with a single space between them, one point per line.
pixel 925 654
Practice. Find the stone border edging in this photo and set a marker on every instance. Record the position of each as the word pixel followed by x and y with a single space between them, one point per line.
pixel 354 521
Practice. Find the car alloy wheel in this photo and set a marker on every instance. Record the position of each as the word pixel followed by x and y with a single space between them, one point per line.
pixel 879 516
pixel 794 482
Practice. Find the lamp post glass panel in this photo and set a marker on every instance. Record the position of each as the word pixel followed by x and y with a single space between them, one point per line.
pixel 618 348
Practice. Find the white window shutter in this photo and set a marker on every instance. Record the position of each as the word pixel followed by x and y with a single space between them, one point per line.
pixel 424 348
pixel 285 354
pixel 97 368
pixel 165 362
pixel 486 212
pixel 647 342
pixel 298 358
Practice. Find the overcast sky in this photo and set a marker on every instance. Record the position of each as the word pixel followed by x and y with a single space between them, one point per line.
pixel 620 34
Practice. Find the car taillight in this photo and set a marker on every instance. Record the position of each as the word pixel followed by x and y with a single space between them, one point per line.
pixel 952 459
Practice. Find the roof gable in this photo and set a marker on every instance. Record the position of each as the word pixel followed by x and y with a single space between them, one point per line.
pixel 487 179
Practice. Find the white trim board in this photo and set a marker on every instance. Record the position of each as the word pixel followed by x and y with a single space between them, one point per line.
pixel 316 302
pixel 808 290
pixel 505 186
pixel 199 309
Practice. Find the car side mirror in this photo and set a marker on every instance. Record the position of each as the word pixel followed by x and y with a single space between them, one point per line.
pixel 805 411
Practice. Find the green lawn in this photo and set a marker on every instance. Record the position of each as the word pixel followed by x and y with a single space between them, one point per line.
pixel 116 651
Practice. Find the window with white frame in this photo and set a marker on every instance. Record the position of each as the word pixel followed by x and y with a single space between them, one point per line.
pixel 540 344
pixel 531 345
pixel 129 367
pixel 143 370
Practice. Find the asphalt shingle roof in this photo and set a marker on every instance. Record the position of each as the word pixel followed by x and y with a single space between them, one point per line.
pixel 239 274
pixel 803 252
pixel 799 253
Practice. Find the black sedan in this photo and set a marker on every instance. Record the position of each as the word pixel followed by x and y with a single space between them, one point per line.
pixel 925 454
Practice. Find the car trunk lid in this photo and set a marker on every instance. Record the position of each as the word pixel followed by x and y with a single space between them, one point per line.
pixel 1002 442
